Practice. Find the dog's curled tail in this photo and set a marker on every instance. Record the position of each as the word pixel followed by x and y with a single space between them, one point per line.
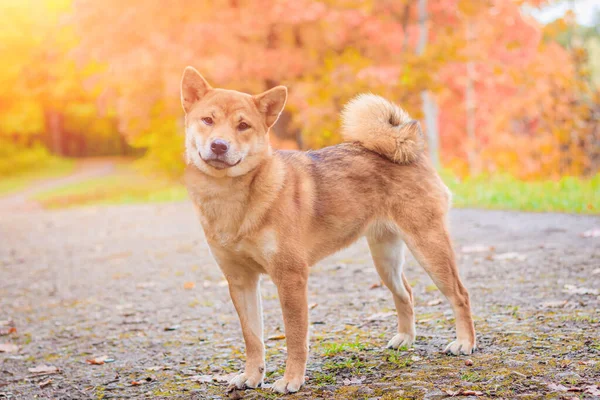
pixel 383 127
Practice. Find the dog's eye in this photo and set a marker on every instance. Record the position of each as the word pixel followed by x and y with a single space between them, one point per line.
pixel 243 126
pixel 207 120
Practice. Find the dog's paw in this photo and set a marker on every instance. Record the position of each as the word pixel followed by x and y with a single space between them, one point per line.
pixel 245 381
pixel 460 346
pixel 401 340
pixel 285 385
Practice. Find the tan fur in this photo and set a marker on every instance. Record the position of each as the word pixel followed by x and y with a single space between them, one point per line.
pixel 278 213
pixel 383 127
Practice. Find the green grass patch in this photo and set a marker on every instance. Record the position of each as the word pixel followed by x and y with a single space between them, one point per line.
pixel 568 194
pixel 332 349
pixel 50 167
pixel 125 186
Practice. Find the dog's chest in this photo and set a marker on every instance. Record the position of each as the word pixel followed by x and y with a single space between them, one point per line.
pixel 229 234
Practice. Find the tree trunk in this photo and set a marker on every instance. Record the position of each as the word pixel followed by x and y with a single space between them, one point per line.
pixel 54 129
pixel 429 105
pixel 470 105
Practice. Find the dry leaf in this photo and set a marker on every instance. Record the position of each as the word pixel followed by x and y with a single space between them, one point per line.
pixel 593 390
pixel 476 248
pixel 381 316
pixel 435 302
pixel 376 285
pixel 354 381
pixel 313 305
pixel 136 383
pixel 45 383
pixel 555 304
pixel 572 289
pixel 97 360
pixel 202 378
pixel 189 285
pixel 472 393
pixel 276 337
pixel 8 348
pixel 44 370
pixel 557 388
pixel 224 378
pixel 510 256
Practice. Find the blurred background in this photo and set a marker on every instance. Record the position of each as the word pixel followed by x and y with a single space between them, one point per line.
pixel 507 90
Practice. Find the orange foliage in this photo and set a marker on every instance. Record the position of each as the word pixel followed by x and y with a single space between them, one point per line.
pixel 533 110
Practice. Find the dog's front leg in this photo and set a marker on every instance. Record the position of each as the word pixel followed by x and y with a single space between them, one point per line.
pixel 245 293
pixel 291 282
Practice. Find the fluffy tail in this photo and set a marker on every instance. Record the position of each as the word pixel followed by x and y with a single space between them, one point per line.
pixel 383 127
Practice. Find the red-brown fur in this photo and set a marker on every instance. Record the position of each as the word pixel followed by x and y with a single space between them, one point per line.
pixel 278 213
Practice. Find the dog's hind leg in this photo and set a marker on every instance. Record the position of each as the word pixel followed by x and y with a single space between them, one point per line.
pixel 430 244
pixel 387 250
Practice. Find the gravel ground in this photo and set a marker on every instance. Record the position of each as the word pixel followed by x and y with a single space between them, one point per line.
pixel 134 289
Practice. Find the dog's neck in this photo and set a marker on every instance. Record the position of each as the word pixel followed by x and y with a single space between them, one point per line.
pixel 232 207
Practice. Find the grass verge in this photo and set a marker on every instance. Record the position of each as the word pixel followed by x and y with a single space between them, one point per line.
pixel 569 194
pixel 125 186
pixel 52 167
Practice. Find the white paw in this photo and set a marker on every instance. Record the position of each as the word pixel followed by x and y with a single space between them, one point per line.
pixel 460 346
pixel 245 381
pixel 401 340
pixel 284 385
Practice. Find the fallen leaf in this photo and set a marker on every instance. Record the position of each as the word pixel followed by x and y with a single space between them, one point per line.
pixel 452 393
pixel 509 256
pixel 593 390
pixel 575 389
pixel 8 348
pixel 45 383
pixel 472 393
pixel 223 378
pixel 591 233
pixel 172 328
pixel 136 383
pixel 381 316
pixel 435 302
pixel 555 304
pixel 468 362
pixel 202 378
pixel 376 285
pixel 189 285
pixel 276 337
pixel 313 305
pixel 4 332
pixel 97 360
pixel 476 248
pixel 44 370
pixel 353 381
pixel 572 289
pixel 557 388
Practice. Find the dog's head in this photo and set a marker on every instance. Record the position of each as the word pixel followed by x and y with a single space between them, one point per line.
pixel 227 132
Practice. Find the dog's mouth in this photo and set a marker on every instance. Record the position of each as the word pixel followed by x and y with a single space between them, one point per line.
pixel 218 163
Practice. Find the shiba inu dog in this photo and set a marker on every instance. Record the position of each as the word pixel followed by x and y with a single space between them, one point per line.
pixel 279 212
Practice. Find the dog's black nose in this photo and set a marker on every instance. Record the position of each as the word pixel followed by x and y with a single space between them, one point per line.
pixel 219 147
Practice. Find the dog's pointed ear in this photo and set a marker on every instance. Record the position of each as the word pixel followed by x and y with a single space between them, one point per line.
pixel 271 103
pixel 193 88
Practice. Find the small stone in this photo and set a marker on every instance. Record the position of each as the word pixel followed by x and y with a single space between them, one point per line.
pixel 468 362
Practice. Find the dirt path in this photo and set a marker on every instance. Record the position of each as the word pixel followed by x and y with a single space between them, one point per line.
pixel 85 169
pixel 136 284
